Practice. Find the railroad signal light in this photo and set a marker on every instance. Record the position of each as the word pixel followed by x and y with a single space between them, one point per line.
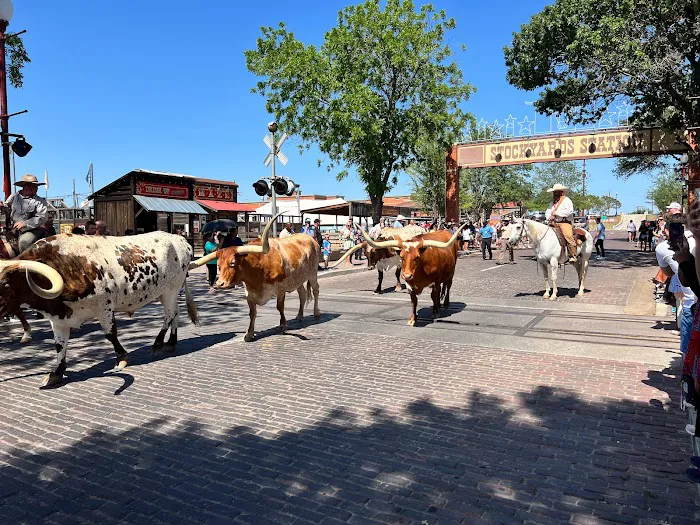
pixel 261 188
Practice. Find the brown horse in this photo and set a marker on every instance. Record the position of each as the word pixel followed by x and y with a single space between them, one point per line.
pixel 9 249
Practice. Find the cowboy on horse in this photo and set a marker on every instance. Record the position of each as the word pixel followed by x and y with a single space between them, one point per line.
pixel 27 212
pixel 560 215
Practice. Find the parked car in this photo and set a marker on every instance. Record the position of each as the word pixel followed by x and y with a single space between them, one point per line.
pixel 536 215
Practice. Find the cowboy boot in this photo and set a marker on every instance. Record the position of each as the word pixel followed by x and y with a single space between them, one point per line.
pixel 572 256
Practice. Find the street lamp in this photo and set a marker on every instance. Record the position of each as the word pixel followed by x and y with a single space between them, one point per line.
pixel 6 11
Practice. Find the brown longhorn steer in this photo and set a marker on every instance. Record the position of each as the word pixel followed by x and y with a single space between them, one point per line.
pixel 429 260
pixel 270 267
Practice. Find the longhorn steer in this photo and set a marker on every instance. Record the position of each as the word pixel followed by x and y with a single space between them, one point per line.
pixel 92 277
pixel 270 267
pixel 384 259
pixel 429 260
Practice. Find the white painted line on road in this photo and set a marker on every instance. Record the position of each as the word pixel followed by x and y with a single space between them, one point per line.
pixel 492 268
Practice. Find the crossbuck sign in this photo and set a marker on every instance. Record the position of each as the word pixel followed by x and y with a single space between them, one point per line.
pixel 275 149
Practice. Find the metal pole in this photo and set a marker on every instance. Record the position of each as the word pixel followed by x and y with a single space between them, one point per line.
pixel 273 149
pixel 3 111
pixel 584 187
pixel 616 201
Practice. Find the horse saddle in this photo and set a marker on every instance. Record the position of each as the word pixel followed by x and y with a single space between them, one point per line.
pixel 579 238
pixel 9 245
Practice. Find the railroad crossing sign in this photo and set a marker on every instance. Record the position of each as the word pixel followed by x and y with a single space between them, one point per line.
pixel 275 149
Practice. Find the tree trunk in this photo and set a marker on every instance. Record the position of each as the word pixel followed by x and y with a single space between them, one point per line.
pixel 377 206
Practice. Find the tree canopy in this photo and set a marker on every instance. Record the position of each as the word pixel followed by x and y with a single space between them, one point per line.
pixel 586 54
pixel 665 189
pixel 428 178
pixel 382 80
pixel 17 57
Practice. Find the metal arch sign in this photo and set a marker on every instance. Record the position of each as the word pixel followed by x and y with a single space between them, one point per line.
pixel 568 146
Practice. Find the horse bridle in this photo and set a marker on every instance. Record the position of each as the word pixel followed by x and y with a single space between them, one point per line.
pixel 520 235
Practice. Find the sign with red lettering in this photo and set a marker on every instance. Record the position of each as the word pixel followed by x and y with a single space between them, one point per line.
pixel 168 191
pixel 209 192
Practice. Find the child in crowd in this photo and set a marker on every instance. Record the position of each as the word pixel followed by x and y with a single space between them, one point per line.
pixel 326 249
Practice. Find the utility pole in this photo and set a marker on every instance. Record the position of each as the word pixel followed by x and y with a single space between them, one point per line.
pixel 270 159
pixel 616 203
pixel 584 187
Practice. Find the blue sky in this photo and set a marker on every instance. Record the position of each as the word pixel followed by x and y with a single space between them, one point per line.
pixel 163 85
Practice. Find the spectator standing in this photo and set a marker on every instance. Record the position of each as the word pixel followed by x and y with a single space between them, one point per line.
pixel 486 233
pixel 631 231
pixel 505 246
pixel 599 238
pixel 398 223
pixel 49 230
pixel 286 231
pixel 375 231
pixel 348 238
pixel 90 227
pixel 685 296
pixel 210 247
pixel 326 249
pixel 359 239
pixel 77 230
pixel 101 228
pixel 307 228
pixel 317 232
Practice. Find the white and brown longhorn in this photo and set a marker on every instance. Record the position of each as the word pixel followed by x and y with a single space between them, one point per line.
pixel 92 277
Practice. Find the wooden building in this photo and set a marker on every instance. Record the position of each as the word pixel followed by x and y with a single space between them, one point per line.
pixel 145 201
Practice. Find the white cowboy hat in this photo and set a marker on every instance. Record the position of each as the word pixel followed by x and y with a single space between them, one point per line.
pixel 557 187
pixel 400 217
pixel 28 179
pixel 673 205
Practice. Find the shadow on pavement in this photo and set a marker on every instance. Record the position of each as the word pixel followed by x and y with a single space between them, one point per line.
pixel 556 459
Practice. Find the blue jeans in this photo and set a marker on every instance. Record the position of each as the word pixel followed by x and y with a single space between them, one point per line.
pixel 686 325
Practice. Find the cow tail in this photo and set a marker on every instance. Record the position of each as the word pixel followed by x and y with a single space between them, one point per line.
pixel 308 292
pixel 191 307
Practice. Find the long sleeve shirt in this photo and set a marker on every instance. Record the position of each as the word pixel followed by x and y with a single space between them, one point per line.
pixel 32 211
pixel 565 210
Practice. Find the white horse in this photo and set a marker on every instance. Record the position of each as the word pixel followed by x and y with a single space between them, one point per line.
pixel 548 252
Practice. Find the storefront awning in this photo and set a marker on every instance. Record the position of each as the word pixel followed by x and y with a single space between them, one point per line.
pixel 228 206
pixel 169 205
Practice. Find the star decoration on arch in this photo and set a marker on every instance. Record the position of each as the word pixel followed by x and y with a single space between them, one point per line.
pixel 497 129
pixel 562 122
pixel 526 124
pixel 623 113
pixel 606 121
pixel 510 126
pixel 482 125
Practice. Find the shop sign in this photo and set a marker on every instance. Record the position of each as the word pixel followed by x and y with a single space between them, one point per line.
pixel 195 226
pixel 168 191
pixel 66 228
pixel 208 192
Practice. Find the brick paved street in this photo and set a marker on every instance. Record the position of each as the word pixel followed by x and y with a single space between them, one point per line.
pixel 519 412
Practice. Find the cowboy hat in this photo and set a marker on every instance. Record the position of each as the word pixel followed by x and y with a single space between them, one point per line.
pixel 400 217
pixel 557 187
pixel 28 179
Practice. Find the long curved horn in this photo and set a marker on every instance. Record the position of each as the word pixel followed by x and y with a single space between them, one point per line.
pixel 437 244
pixel 44 270
pixel 348 254
pixel 204 260
pixel 393 243
pixel 265 235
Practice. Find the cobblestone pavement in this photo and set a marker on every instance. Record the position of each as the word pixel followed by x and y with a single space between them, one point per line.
pixel 608 282
pixel 340 421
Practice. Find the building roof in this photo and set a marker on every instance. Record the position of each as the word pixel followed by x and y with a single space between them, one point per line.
pixel 165 174
pixel 214 181
pixel 227 206
pixel 169 205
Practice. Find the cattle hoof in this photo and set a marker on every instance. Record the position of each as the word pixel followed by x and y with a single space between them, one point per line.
pixel 377 291
pixel 121 364
pixel 27 337
pixel 155 348
pixel 51 380
pixel 317 316
pixel 411 322
pixel 398 288
pixel 169 348
pixel 249 337
pixel 281 328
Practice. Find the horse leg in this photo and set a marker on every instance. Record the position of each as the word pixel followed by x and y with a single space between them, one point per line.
pixel 545 271
pixel 553 265
pixel 582 271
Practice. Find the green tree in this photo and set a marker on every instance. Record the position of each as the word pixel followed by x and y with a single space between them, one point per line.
pixel 588 53
pixel 428 178
pixel 665 189
pixel 381 81
pixel 482 188
pixel 17 58
pixel 567 173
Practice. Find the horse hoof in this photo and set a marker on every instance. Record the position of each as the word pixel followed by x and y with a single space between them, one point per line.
pixel 398 288
pixel 51 380
pixel 26 338
pixel 317 316
pixel 553 298
pixel 580 293
pixel 545 296
pixel 122 364
pixel 249 337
